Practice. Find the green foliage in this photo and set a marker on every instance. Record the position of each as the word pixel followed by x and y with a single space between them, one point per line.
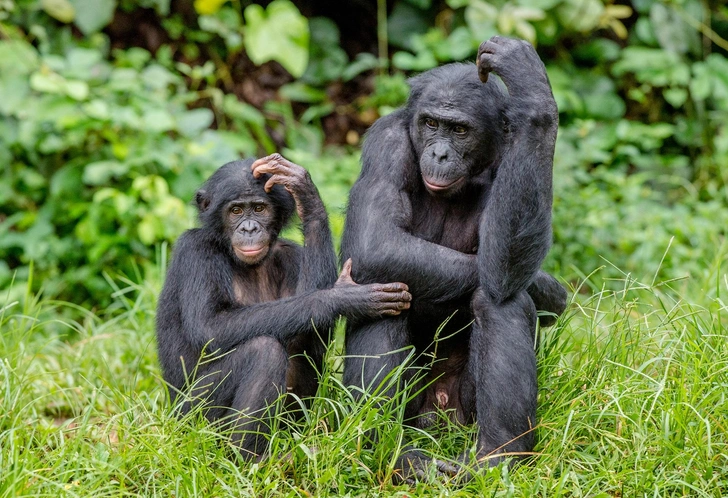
pixel 279 33
pixel 102 150
pixel 105 148
pixel 101 156
pixel 631 403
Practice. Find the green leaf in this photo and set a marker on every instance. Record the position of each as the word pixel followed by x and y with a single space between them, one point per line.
pixel 47 82
pixel 481 18
pixel 92 15
pixel 671 31
pixel 301 92
pixel 100 172
pixel 277 33
pixel 676 97
pixel 423 61
pixel 148 228
pixel 191 123
pixel 61 10
pixel 14 88
pixel 18 57
pixel 363 62
pixel 580 15
pixel 327 60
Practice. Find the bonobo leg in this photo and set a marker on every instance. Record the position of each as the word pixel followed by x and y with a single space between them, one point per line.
pixel 239 387
pixel 548 295
pixel 305 365
pixel 369 359
pixel 261 382
pixel 503 368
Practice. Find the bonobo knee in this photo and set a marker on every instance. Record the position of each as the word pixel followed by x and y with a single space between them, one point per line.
pixel 518 307
pixel 264 352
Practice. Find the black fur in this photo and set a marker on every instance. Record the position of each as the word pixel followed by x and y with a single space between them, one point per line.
pixel 454 199
pixel 232 329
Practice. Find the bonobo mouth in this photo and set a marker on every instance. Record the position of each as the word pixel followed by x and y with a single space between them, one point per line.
pixel 438 187
pixel 248 252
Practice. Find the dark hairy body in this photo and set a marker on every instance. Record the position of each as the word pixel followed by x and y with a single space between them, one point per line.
pixel 245 316
pixel 454 199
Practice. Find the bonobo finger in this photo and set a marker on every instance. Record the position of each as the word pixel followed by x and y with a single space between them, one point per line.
pixel 394 297
pixel 267 168
pixel 391 312
pixel 272 158
pixel 392 287
pixel 488 47
pixel 345 275
pixel 274 180
pixel 446 468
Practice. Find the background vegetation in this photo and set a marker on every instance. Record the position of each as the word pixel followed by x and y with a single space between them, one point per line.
pixel 112 112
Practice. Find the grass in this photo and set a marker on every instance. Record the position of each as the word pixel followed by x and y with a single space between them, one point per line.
pixel 633 387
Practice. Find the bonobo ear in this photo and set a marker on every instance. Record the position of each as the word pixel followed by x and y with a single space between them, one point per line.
pixel 202 200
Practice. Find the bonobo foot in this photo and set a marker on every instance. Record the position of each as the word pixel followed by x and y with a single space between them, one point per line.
pixel 413 466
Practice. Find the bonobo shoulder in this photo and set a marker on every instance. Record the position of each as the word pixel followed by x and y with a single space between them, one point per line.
pixel 390 129
pixel 387 147
pixel 193 239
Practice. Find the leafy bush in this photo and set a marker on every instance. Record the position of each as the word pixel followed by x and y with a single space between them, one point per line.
pixel 103 148
pixel 101 157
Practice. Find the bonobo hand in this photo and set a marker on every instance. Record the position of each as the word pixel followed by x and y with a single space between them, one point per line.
pixel 283 172
pixel 372 300
pixel 293 177
pixel 515 61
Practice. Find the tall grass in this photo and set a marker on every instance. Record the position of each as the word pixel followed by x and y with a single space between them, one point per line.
pixel 633 386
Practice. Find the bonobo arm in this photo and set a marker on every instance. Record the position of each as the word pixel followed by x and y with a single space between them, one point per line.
pixel 378 220
pixel 318 261
pixel 515 229
pixel 210 316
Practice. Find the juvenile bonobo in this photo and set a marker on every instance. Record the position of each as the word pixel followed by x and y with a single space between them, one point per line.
pixel 240 306
pixel 454 199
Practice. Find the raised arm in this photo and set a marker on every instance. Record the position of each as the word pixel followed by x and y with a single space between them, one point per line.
pixel 318 261
pixel 515 229
pixel 377 234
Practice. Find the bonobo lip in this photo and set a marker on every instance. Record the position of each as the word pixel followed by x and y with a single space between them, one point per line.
pixel 435 187
pixel 249 252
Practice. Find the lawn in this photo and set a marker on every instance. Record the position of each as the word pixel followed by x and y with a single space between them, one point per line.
pixel 632 402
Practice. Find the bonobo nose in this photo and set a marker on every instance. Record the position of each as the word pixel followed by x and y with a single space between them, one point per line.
pixel 249 226
pixel 439 154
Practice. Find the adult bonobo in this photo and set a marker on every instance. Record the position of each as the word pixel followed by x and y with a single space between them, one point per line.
pixel 454 199
pixel 240 306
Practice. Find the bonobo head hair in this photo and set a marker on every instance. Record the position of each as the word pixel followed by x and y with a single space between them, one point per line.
pixel 460 79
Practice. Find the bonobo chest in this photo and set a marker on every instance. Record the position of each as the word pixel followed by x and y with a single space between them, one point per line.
pixel 263 283
pixel 450 223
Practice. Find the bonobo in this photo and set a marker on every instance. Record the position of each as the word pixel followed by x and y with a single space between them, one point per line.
pixel 240 306
pixel 454 199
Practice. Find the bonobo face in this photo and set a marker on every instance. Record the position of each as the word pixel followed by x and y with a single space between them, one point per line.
pixel 237 211
pixel 456 126
pixel 247 220
pixel 447 139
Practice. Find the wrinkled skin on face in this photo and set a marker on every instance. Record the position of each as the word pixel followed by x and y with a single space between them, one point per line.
pixel 247 220
pixel 245 212
pixel 455 134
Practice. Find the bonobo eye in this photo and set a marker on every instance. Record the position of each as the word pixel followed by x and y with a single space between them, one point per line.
pixel 460 130
pixel 236 210
pixel 259 208
pixel 431 123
